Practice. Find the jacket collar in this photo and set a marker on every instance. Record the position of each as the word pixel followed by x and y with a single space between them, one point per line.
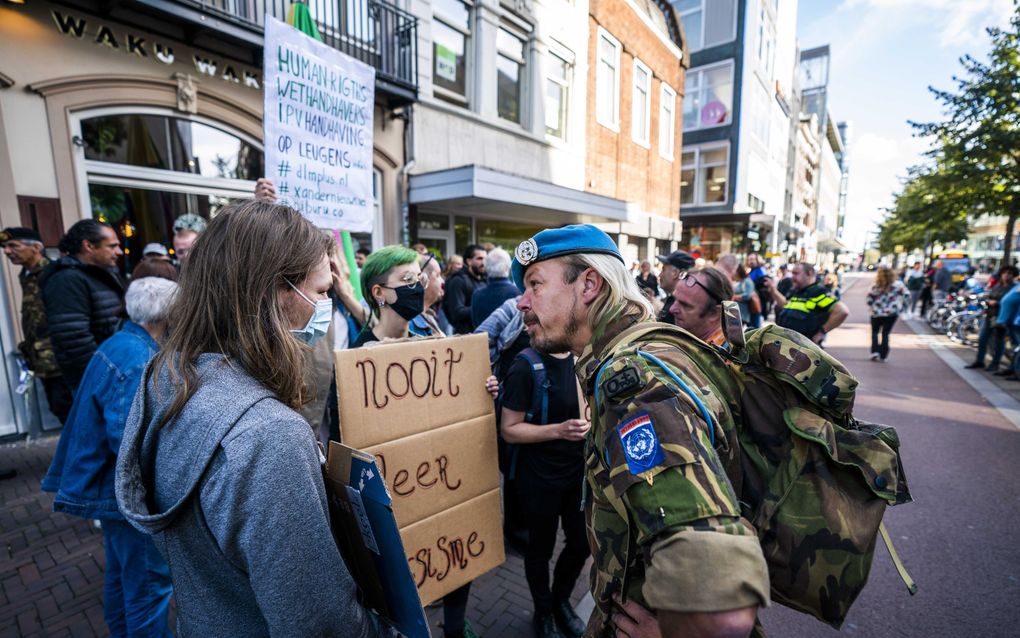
pixel 136 330
pixel 603 337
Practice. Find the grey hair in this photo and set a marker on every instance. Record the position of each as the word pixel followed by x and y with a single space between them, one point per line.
pixel 148 299
pixel 620 290
pixel 497 263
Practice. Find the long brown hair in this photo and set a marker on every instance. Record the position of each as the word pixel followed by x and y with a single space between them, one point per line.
pixel 229 300
pixel 884 278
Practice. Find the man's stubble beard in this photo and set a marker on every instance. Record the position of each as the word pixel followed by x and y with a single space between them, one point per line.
pixel 548 345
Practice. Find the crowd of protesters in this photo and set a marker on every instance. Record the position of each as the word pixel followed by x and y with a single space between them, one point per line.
pixel 187 393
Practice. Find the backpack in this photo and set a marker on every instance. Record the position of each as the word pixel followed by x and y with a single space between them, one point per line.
pixel 538 409
pixel 813 480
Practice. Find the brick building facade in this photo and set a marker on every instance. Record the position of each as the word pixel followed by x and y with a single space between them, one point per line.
pixel 637 67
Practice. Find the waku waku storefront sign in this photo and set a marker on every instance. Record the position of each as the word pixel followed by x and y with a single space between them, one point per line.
pixel 146 48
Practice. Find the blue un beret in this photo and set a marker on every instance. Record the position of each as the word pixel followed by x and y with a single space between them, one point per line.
pixel 557 242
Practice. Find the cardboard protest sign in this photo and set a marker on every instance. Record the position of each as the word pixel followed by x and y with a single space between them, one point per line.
pixel 318 129
pixel 366 532
pixel 421 408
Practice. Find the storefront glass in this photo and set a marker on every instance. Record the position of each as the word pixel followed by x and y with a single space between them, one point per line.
pixel 504 234
pixel 142 216
pixel 169 143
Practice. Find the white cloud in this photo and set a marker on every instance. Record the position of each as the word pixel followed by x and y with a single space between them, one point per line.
pixel 958 23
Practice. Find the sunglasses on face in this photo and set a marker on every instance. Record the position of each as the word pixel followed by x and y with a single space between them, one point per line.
pixel 691 281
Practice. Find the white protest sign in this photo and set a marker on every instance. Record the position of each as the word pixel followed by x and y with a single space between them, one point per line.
pixel 318 129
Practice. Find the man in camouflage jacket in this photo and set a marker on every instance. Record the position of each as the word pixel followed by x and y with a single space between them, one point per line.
pixel 24 248
pixel 664 523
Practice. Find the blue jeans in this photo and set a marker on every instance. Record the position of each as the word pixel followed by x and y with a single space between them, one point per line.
pixel 137 587
pixel 998 339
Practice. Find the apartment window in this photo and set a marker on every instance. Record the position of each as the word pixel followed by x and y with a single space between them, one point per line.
pixel 607 81
pixel 451 38
pixel 759 105
pixel 667 120
pixel 709 96
pixel 641 105
pixel 704 175
pixel 510 65
pixel 766 39
pixel 557 85
pixel 707 23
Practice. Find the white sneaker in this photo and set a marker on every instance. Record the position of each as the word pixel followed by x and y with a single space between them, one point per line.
pixel 874 356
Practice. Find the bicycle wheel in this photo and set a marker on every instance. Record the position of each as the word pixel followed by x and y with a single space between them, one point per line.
pixel 970 330
pixel 952 326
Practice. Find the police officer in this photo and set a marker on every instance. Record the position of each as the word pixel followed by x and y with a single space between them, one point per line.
pixel 672 552
pixel 24 248
pixel 809 309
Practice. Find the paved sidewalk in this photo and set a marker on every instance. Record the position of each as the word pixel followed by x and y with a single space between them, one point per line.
pixel 51 568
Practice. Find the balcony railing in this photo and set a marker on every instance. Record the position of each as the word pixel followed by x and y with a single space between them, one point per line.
pixel 372 31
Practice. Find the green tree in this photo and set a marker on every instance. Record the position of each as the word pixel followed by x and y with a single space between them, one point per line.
pixel 976 148
pixel 931 208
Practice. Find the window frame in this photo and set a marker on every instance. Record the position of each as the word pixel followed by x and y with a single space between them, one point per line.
pixel 646 140
pixel 522 63
pixel 553 56
pixel 666 151
pixel 614 124
pixel 700 72
pixel 444 94
pixel 699 172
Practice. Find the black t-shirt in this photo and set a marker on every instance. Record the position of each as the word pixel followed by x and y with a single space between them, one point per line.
pixel 365 336
pixel 557 462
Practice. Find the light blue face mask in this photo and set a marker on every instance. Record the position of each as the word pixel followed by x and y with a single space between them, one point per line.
pixel 318 323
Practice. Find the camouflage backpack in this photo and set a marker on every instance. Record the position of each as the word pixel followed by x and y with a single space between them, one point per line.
pixel 813 480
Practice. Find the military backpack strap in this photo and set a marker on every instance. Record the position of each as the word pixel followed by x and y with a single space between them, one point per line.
pixel 897 563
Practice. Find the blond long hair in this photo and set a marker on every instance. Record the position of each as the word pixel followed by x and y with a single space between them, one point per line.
pixel 229 300
pixel 620 293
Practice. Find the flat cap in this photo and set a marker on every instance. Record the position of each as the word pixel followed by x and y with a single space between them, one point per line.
pixel 557 242
pixel 679 259
pixel 17 232
pixel 190 221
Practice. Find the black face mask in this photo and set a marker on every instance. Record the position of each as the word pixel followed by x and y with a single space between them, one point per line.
pixel 410 301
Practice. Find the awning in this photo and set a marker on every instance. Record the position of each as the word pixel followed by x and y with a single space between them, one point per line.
pixel 483 192
pixel 725 219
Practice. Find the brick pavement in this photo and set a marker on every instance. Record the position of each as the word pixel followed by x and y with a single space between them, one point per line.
pixel 51 568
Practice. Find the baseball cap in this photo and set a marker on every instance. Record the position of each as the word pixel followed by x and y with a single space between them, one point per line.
pixel 155 249
pixel 679 259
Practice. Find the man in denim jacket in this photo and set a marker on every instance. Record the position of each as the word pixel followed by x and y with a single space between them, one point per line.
pixel 137 583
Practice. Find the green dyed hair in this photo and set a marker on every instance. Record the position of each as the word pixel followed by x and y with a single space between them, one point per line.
pixel 378 265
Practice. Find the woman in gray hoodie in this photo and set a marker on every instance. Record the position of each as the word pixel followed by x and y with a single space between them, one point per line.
pixel 216 464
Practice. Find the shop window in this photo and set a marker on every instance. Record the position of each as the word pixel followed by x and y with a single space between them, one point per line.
pixel 451 39
pixel 667 121
pixel 557 92
pixel 704 176
pixel 641 104
pixel 607 81
pixel 708 100
pixel 142 216
pixel 373 240
pixel 505 234
pixel 170 143
pixel 510 70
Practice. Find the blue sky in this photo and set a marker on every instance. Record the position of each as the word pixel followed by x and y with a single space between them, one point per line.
pixel 885 53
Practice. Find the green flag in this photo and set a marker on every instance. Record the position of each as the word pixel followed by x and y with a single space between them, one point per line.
pixel 301 19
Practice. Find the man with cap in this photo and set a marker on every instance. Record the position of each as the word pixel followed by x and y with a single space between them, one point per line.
pixel 673 264
pixel 24 248
pixel 672 554
pixel 155 252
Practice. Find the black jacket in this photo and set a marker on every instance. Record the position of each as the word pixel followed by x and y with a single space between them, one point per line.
pixel 84 306
pixel 457 300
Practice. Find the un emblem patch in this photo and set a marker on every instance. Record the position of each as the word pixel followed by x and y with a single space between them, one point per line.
pixel 526 252
pixel 640 444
